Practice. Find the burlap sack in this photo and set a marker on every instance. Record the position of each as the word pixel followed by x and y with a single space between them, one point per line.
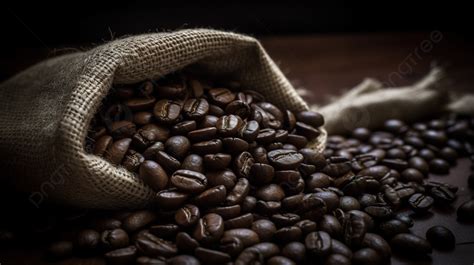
pixel 45 110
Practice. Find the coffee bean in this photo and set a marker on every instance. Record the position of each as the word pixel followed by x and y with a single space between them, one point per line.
pixel 391 228
pixel 113 239
pixel 151 152
pixel 170 90
pixel 150 261
pixel 187 215
pixel 247 236
pixel 231 245
pixel 420 164
pixel 183 260
pixel 132 160
pixel 285 219
pixel 280 260
pixel 208 121
pixel 337 247
pixel 212 196
pixel 235 145
pixel 184 127
pixel 217 161
pixel 437 138
pixel 122 129
pixel 330 224
pixel 411 174
pixel 229 125
pixel 195 108
pixel 226 212
pixel 347 203
pixel 250 255
pixel 264 229
pixel 312 207
pixel 238 193
pixel 307 131
pixel 378 244
pixel 177 146
pixel 121 256
pixel 117 150
pixel 297 140
pixel 250 131
pixel 224 177
pixel 243 163
pixel 442 194
pixel 379 210
pixel 295 251
pixel 465 211
pixel 318 243
pixel 193 162
pixel 249 203
pixel 239 108
pixel 167 111
pixel 102 144
pixel 337 259
pixel 170 199
pixel 153 246
pixel 441 237
pixel 242 221
pixel 203 134
pixel 285 159
pixel 209 229
pixel 87 240
pixel 185 242
pixel 261 173
pixel 208 147
pixel 138 219
pixel 189 181
pixel 210 256
pixel 221 96
pixel 439 166
pixel 167 231
pixel 153 175
pixel 169 163
pixel 408 244
pixel 271 192
pixel 420 203
pixel 366 256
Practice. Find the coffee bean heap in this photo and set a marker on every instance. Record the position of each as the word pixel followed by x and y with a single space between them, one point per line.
pixel 236 183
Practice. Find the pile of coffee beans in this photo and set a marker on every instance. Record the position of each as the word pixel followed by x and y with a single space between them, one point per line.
pixel 236 182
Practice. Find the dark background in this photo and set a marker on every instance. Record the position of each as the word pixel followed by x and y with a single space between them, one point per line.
pixel 32 31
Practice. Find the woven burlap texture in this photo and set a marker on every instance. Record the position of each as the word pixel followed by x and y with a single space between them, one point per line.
pixel 45 110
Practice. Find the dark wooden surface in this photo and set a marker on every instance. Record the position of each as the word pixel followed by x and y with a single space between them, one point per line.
pixel 326 66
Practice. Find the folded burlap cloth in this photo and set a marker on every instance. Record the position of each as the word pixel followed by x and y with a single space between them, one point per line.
pixel 45 110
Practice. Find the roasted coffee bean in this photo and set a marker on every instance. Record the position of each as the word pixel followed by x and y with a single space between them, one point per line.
pixel 189 181
pixel 209 229
pixel 132 160
pixel 331 225
pixel 420 164
pixel 397 164
pixel 285 219
pixel 337 247
pixel 211 197
pixel 330 198
pixel 234 145
pixel 238 193
pixel 164 231
pixel 442 194
pixel 312 207
pixel 151 152
pixel 248 204
pixel 231 245
pixel 187 215
pixel 169 163
pixel 247 236
pixel 117 150
pixel 113 239
pixel 183 260
pixel 229 125
pixel 280 260
pixel 242 221
pixel 337 259
pixel 465 211
pixel 420 203
pixel 87 240
pixel 297 140
pixel 170 90
pixel 239 108
pixel 121 256
pixel 60 250
pixel 379 210
pixel 408 244
pixel 122 129
pixel 243 163
pixel 250 255
pixel 250 131
pixel 307 131
pixel 306 226
pixel 287 234
pixel 217 161
pixel 184 127
pixel 221 96
pixel 185 242
pixel 102 144
pixel 407 220
pixel 203 134
pixel 295 251
pixel 138 219
pixel 170 199
pixel 366 256
pixel 378 244
pixel 291 203
pixel 411 174
pixel 224 177
pixel 153 246
pixel 392 227
pixel 437 138
pixel 153 175
pixel 167 111
pixel 210 256
pixel 318 243
pixel 267 207
pixel 150 261
pixel 441 237
pixel 318 180
pixel 354 228
pixel 285 159
pixel 208 121
pixel 261 173
pixel 226 212
pixel 177 146
pixel 207 147
pixel 195 108
pixel 193 162
pixel 271 192
pixel 347 203
pixel 264 229
pixel 439 166
pixel 314 119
